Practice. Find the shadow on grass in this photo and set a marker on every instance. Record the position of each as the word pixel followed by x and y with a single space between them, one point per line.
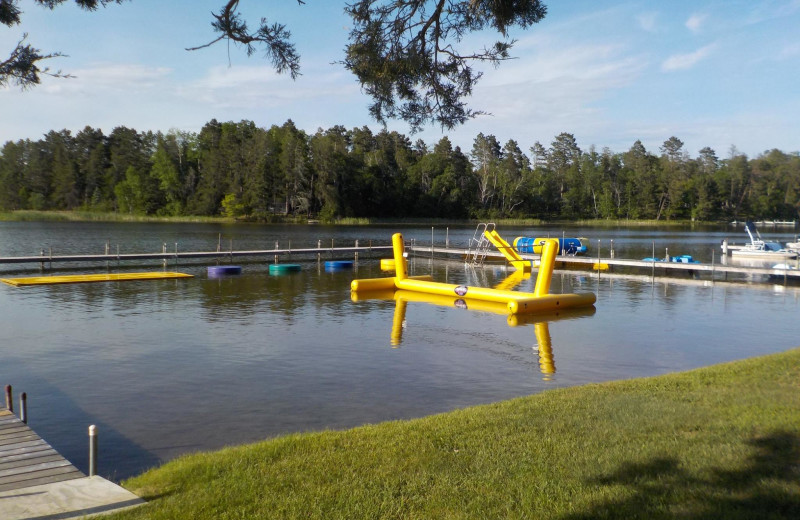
pixel 767 487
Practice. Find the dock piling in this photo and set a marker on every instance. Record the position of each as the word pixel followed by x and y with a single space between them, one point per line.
pixel 598 257
pixel 654 260
pixel 23 407
pixel 712 264
pixel 92 450
pixel 9 399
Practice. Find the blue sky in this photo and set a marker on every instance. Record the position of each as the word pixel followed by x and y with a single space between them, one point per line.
pixel 712 73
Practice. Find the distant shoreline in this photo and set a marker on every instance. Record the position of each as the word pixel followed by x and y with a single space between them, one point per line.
pixel 90 216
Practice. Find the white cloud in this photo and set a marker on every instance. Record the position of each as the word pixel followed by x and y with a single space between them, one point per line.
pixel 557 89
pixel 260 87
pixel 99 77
pixel 695 22
pixel 687 61
pixel 789 52
pixel 647 21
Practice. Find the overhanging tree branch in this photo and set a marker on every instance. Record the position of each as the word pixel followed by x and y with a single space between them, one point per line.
pixel 274 38
pixel 404 53
pixel 22 67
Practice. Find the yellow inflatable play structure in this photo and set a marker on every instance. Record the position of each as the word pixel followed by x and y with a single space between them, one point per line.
pixel 516 302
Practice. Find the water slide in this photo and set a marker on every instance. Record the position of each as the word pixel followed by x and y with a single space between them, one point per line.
pixel 507 251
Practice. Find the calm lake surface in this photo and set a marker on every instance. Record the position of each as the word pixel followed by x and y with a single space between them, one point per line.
pixel 175 366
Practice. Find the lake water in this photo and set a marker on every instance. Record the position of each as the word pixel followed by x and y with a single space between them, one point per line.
pixel 175 366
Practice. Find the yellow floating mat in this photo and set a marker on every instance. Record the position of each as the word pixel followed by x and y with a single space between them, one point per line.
pixel 85 278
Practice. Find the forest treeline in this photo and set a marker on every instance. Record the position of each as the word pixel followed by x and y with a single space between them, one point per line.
pixel 244 171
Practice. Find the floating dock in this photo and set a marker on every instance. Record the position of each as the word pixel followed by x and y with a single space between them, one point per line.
pixel 209 256
pixel 88 278
pixel 603 264
pixel 37 482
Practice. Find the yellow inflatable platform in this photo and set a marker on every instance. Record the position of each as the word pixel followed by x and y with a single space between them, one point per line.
pixel 516 302
pixel 86 278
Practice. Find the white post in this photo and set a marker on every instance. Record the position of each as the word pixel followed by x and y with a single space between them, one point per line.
pixel 92 450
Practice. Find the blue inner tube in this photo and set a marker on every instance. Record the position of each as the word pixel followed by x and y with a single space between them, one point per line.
pixel 222 270
pixel 338 264
pixel 283 268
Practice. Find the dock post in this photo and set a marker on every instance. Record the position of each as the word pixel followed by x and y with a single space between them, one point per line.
pixel 9 399
pixel 41 264
pixel 319 249
pixel 447 237
pixel 598 260
pixel 712 264
pixel 612 248
pixel 23 407
pixel 92 450
pixel 654 260
pixel 356 251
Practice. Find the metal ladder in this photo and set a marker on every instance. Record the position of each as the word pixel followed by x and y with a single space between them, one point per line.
pixel 479 245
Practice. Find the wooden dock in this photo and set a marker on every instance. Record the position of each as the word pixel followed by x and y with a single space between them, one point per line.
pixel 208 256
pixel 37 482
pixel 27 460
pixel 713 270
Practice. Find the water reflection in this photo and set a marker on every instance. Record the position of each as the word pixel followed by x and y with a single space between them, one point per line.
pixel 171 364
pixel 541 322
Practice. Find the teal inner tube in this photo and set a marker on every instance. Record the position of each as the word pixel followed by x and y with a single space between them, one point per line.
pixel 283 268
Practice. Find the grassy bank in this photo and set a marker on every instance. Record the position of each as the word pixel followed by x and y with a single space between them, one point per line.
pixel 93 216
pixel 719 442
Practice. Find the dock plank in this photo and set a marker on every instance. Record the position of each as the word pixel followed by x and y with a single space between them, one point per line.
pixel 41 478
pixel 17 438
pixel 27 460
pixel 21 462
pixel 12 430
pixel 34 468
pixel 28 453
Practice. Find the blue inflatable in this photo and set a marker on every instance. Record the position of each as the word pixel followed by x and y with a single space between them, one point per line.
pixel 569 246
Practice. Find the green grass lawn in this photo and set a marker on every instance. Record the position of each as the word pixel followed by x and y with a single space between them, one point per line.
pixel 720 442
